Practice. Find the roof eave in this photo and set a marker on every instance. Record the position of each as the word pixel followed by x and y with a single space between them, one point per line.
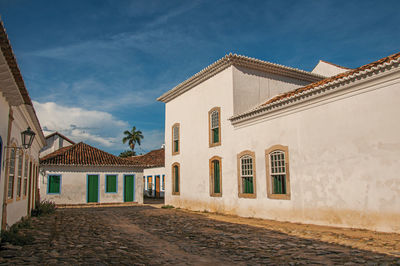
pixel 236 60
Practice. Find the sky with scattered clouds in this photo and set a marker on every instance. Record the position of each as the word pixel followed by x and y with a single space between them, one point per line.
pixel 94 68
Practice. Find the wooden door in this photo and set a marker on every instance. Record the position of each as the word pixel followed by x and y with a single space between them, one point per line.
pixel 129 188
pixel 157 186
pixel 93 188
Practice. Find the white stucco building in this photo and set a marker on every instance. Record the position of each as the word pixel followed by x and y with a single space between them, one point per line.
pixel 82 174
pixel 19 165
pixel 257 139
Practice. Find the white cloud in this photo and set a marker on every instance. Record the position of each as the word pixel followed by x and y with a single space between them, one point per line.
pixel 80 124
pixel 97 128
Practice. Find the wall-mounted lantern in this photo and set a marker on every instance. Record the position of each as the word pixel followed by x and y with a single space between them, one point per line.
pixel 27 137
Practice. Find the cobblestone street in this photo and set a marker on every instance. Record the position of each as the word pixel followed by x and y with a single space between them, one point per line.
pixel 137 235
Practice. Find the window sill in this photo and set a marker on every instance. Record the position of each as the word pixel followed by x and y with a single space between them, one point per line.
pixel 248 195
pixel 216 195
pixel 279 196
pixel 176 193
pixel 210 145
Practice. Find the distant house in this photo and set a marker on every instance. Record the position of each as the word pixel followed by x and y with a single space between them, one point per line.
pixel 82 174
pixel 153 173
pixel 254 138
pixel 19 164
pixel 54 142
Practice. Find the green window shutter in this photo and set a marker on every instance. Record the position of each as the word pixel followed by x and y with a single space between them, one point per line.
pixel 248 185
pixel 217 188
pixel 111 184
pixel 215 135
pixel 54 184
pixel 176 171
pixel 176 148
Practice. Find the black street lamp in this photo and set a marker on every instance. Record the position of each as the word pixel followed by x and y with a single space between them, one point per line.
pixel 27 137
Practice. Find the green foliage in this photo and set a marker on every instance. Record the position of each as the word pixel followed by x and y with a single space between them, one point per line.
pixel 45 207
pixel 127 153
pixel 167 207
pixel 132 137
pixel 14 236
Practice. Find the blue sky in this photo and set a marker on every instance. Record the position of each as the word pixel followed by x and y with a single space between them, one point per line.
pixel 95 68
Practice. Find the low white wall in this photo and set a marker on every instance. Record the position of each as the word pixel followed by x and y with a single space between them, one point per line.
pixel 74 184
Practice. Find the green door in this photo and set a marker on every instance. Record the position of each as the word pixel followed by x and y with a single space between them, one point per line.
pixel 93 188
pixel 129 188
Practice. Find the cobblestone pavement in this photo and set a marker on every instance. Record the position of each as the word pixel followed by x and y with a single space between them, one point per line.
pixel 138 235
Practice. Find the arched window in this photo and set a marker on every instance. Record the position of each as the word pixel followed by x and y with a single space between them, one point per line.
pixel 277 169
pixel 11 173
pixel 176 179
pixel 175 139
pixel 247 174
pixel 214 117
pixel 215 177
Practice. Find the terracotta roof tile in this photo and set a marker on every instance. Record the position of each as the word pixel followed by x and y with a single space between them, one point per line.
pixel 84 154
pixel 151 159
pixel 330 79
pixel 322 84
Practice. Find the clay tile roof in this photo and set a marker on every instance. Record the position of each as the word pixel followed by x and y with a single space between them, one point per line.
pixel 340 78
pixel 13 65
pixel 82 154
pixel 61 135
pixel 151 159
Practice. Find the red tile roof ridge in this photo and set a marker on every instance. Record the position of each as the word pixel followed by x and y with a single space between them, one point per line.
pixel 154 158
pixel 322 84
pixel 82 154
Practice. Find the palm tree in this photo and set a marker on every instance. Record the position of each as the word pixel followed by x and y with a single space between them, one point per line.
pixel 134 136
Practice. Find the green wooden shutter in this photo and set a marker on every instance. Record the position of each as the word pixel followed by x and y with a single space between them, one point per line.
pixel 111 185
pixel 129 188
pixel 176 172
pixel 248 185
pixel 216 135
pixel 176 148
pixel 54 184
pixel 216 177
pixel 93 188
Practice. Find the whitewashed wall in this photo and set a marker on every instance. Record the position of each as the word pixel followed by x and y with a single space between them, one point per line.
pixel 344 155
pixel 327 70
pixel 16 209
pixel 252 87
pixel 4 111
pixel 74 184
pixel 153 172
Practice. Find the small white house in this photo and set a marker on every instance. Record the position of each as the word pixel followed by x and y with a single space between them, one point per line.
pixel 257 139
pixel 19 157
pixel 153 172
pixel 82 174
